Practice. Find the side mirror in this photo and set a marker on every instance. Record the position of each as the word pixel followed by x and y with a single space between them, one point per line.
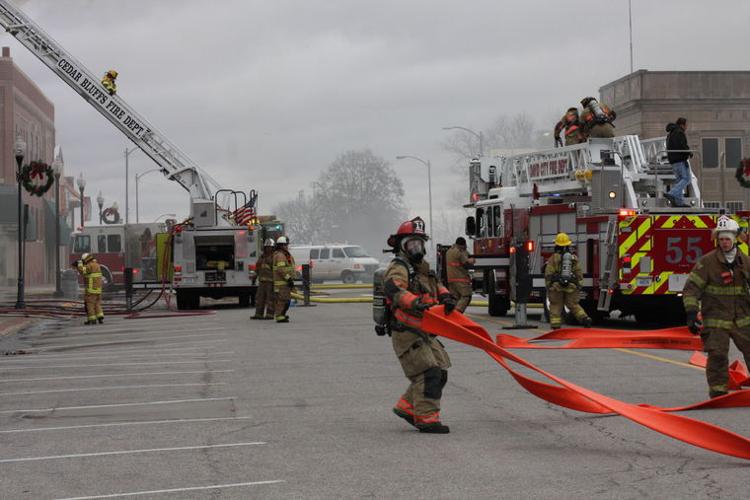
pixel 471 227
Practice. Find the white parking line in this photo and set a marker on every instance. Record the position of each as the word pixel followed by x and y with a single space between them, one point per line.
pixel 122 424
pixel 46 358
pixel 108 388
pixel 142 403
pixel 2 369
pixel 176 490
pixel 112 375
pixel 127 452
pixel 127 350
pixel 46 346
pixel 107 333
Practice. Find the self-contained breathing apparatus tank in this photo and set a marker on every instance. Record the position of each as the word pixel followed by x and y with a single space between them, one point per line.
pixel 566 269
pixel 381 313
pixel 599 115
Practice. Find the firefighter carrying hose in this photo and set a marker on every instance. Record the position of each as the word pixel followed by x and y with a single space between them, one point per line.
pixel 108 81
pixel 410 289
pixel 264 298
pixel 563 279
pixel 92 280
pixel 573 128
pixel 283 279
pixel 459 282
pixel 718 287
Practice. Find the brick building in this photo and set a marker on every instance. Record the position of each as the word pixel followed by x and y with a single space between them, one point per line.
pixel 27 113
pixel 717 107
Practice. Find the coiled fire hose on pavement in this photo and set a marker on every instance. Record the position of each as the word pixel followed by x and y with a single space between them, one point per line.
pixel 704 435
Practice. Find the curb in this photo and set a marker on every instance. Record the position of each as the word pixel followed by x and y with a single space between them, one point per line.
pixel 11 326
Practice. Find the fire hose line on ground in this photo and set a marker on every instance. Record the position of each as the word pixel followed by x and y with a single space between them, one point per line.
pixel 711 437
pixel 329 300
pixel 342 287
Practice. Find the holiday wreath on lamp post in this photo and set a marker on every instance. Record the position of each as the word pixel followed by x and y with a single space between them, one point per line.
pixel 743 173
pixel 37 178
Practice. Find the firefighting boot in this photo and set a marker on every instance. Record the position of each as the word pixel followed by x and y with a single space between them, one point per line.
pixel 586 322
pixel 256 317
pixel 405 410
pixel 282 319
pixel 433 428
pixel 100 320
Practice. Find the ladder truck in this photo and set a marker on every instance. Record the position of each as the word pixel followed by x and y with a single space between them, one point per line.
pixel 212 253
pixel 635 250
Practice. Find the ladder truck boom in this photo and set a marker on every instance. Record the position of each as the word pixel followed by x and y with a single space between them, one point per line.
pixel 173 163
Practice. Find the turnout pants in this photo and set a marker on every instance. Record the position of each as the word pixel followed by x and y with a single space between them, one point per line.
pixel 264 300
pixel 716 346
pixel 567 297
pixel 93 302
pixel 425 363
pixel 283 298
pixel 462 293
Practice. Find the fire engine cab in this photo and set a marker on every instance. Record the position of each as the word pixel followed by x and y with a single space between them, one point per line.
pixel 635 251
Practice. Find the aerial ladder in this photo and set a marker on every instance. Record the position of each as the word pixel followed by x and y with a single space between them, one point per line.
pixel 173 163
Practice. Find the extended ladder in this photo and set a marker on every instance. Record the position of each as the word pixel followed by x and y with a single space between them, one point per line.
pixel 174 164
pixel 609 274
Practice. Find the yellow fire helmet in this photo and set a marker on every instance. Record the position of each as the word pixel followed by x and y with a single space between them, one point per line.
pixel 562 240
pixel 113 73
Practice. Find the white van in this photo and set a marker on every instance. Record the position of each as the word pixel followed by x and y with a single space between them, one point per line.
pixel 348 263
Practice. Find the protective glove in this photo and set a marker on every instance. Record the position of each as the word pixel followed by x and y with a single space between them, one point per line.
pixel 290 283
pixel 556 287
pixel 448 301
pixel 420 306
pixel 693 323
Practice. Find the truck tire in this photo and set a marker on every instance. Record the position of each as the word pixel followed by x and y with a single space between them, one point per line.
pixel 245 299
pixel 348 277
pixel 498 306
pixel 183 300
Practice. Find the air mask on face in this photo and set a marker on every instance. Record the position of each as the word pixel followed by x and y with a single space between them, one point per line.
pixel 414 249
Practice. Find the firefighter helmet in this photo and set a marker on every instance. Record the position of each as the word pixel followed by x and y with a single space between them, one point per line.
pixel 562 240
pixel 586 100
pixel 269 242
pixel 86 258
pixel 282 240
pixel 726 224
pixel 112 73
pixel 414 227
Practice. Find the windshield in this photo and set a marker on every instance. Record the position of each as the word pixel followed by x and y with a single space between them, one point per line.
pixel 355 252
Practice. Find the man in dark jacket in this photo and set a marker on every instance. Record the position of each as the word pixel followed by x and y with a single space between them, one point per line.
pixel 678 153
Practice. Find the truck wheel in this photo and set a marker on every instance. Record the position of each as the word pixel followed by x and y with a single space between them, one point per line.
pixel 245 299
pixel 195 301
pixel 499 305
pixel 348 277
pixel 183 300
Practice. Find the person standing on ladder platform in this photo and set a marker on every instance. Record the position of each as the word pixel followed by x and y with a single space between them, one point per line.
pixel 264 298
pixel 459 282
pixel 597 118
pixel 572 127
pixel 563 278
pixel 92 281
pixel 108 81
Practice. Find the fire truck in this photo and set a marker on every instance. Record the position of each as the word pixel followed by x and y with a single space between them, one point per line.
pixel 635 251
pixel 108 244
pixel 212 248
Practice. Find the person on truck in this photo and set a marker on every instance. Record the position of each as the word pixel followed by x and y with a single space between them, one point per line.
pixel 410 289
pixel 717 288
pixel 283 279
pixel 92 281
pixel 108 81
pixel 264 298
pixel 458 262
pixel 571 124
pixel 563 278
pixel 597 118
pixel 678 154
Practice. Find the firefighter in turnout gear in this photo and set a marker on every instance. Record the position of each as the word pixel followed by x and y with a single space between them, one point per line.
pixel 718 288
pixel 283 279
pixel 410 289
pixel 564 279
pixel 264 298
pixel 573 128
pixel 459 282
pixel 92 281
pixel 597 118
pixel 108 81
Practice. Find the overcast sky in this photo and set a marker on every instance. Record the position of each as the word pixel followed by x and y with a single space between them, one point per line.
pixel 265 94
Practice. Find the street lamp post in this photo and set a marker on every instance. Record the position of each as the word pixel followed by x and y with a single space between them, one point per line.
pixel 81 186
pixel 137 178
pixel 100 202
pixel 429 189
pixel 478 135
pixel 57 167
pixel 127 181
pixel 19 153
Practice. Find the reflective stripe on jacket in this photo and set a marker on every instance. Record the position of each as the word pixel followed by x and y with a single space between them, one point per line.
pixel 403 294
pixel 456 260
pixel 92 277
pixel 264 268
pixel 283 267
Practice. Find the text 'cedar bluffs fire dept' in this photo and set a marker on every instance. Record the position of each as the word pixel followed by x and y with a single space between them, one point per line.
pixel 92 88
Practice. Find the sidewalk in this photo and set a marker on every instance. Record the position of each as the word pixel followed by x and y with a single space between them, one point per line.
pixel 8 293
pixel 10 325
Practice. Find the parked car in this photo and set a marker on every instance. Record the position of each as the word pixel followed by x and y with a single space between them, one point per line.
pixel 348 263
